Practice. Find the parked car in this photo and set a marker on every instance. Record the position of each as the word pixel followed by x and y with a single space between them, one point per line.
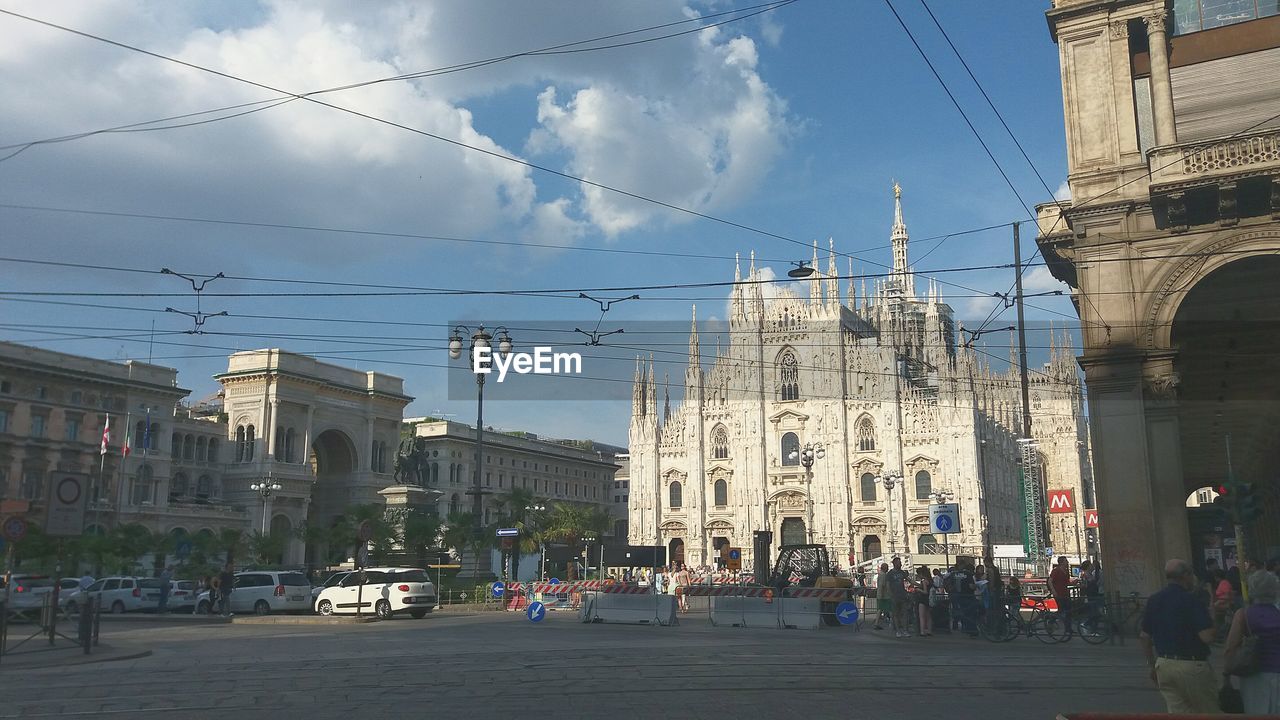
pixel 386 591
pixel 27 591
pixel 182 595
pixel 264 592
pixel 119 594
pixel 329 582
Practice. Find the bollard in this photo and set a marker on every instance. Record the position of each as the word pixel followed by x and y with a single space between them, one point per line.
pixel 85 627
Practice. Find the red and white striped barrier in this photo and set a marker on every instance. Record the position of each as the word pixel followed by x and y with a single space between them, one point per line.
pixel 620 589
pixel 757 591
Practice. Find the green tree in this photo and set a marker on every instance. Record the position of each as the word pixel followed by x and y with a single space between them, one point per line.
pixel 268 549
pixel 420 533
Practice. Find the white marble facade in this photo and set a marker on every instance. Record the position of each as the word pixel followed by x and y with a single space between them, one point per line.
pixel 878 379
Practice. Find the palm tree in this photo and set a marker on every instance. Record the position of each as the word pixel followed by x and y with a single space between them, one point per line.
pixel 519 510
pixel 419 533
pixel 268 549
pixel 569 522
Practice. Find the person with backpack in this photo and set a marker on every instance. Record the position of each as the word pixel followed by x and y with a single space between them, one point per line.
pixel 226 584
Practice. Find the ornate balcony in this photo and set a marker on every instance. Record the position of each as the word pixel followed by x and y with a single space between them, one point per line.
pixel 1211 161
pixel 1219 179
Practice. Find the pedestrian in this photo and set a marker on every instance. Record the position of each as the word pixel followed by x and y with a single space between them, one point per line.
pixel 85 581
pixel 166 585
pixel 1013 592
pixel 938 602
pixel 1176 632
pixel 924 593
pixel 884 605
pixel 1091 590
pixel 226 584
pixel 683 580
pixel 897 578
pixel 961 588
pixel 205 584
pixel 1261 620
pixel 1060 586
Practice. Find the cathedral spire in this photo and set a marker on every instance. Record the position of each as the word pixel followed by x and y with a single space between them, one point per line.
pixel 901 268
pixel 666 397
pixel 815 280
pixel 833 276
pixel 695 356
pixel 853 295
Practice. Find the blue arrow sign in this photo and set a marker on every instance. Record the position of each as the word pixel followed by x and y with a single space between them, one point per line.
pixel 554 581
pixel 498 589
pixel 508 532
pixel 847 613
pixel 536 612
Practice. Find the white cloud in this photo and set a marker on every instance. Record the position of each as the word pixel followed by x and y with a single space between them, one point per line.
pixel 687 120
pixel 1063 192
pixel 1038 280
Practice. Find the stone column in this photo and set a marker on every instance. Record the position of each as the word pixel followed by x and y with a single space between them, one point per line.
pixel 272 419
pixel 307 439
pixel 1137 465
pixel 1161 87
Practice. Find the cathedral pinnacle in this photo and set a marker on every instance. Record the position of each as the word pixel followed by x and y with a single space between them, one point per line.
pixel 901 269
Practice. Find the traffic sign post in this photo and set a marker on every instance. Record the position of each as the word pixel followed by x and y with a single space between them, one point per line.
pixel 847 613
pixel 508 532
pixel 498 588
pixel 536 612
pixel 944 519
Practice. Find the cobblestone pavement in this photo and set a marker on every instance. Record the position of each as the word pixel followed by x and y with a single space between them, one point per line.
pixel 501 663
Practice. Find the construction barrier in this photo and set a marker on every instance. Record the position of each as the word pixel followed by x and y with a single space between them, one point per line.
pixel 738 610
pixel 800 613
pixel 627 608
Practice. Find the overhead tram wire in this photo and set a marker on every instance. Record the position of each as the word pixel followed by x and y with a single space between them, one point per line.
pixel 329 355
pixel 457 143
pixel 459 67
pixel 570 293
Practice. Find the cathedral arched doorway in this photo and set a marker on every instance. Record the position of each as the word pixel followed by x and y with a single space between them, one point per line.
pixel 793 531
pixel 1227 389
pixel 871 547
pixel 675 551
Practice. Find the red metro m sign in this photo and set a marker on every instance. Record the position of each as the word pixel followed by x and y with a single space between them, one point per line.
pixel 1061 501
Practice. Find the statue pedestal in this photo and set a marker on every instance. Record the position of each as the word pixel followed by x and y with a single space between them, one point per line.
pixel 409 497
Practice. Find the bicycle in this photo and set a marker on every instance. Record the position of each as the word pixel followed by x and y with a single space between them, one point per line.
pixel 1102 623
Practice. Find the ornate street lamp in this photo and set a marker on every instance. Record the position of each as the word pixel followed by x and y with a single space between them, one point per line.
pixel 481 344
pixel 807 455
pixel 890 481
pixel 265 488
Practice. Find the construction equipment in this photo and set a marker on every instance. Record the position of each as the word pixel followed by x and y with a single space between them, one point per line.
pixel 809 566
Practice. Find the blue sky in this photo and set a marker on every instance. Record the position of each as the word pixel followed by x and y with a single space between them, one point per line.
pixel 795 122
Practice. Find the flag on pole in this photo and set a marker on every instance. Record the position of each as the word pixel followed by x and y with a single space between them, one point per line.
pixel 124 450
pixel 106 436
pixel 146 434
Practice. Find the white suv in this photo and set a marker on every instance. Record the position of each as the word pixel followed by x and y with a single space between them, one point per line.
pixel 386 591
pixel 119 595
pixel 264 592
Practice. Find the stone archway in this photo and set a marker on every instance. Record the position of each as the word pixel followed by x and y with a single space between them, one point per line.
pixel 334 461
pixel 1226 384
pixel 675 552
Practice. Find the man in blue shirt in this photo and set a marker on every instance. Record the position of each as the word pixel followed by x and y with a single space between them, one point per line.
pixel 1176 632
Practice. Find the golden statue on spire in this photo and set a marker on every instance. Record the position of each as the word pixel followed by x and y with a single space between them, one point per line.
pixel 897 190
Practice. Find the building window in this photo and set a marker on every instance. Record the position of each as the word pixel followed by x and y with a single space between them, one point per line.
pixel 142 437
pixel 6 387
pixel 250 440
pixel 39 424
pixel 240 441
pixel 868 487
pixel 289 437
pixel 204 487
pixel 142 486
pixel 4 420
pixel 721 493
pixel 213 450
pixel 189 448
pixel 76 397
pixel 1194 15
pixel 42 392
pixel 202 449
pixel 675 495
pixel 32 485
pixel 175 446
pixel 924 485
pixel 790 449
pixel 865 435
pixel 788 377
pixel 72 428
pixel 925 544
pixel 453 504
pixel 719 443
pixel 178 486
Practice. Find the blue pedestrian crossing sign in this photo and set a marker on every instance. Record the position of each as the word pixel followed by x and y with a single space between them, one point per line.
pixel 536 612
pixel 847 613
pixel 498 588
pixel 944 518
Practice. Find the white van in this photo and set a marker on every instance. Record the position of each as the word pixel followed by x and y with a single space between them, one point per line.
pixel 386 591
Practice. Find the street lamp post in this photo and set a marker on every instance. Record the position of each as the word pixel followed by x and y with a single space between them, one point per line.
pixel 265 488
pixel 480 365
pixel 807 455
pixel 536 508
pixel 890 481
pixel 938 497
